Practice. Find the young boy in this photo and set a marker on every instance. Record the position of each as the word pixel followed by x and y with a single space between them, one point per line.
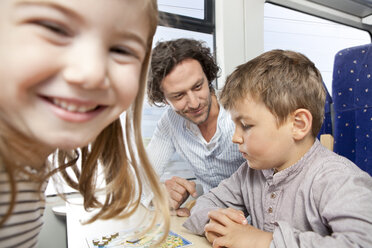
pixel 297 192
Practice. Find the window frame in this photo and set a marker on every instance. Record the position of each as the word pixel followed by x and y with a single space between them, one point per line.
pixel 206 25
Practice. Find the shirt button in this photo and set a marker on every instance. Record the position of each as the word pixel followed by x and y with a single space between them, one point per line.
pixel 270 210
pixel 273 195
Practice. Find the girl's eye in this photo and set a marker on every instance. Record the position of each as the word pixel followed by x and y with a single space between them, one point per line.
pixel 120 51
pixel 53 27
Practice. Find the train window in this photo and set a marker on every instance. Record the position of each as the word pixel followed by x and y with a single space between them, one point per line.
pixel 193 15
pixel 317 38
pixel 191 8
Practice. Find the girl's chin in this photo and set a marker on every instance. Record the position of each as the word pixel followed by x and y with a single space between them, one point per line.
pixel 68 145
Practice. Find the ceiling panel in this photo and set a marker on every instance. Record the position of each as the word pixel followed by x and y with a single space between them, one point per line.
pixel 360 8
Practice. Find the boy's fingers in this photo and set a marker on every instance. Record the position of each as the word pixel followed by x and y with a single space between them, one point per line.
pixel 211 236
pixel 236 215
pixel 215 227
pixel 218 216
pixel 225 216
pixel 220 242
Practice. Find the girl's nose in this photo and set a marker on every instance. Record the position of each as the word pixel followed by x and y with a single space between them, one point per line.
pixel 87 66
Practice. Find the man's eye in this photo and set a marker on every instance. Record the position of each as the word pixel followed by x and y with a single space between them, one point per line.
pixel 198 87
pixel 53 27
pixel 177 97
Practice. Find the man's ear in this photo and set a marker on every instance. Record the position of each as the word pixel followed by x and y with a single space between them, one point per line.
pixel 302 123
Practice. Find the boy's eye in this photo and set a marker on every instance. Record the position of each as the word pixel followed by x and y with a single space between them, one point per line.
pixel 245 126
pixel 53 27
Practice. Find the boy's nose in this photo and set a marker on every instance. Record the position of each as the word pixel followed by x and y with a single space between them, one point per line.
pixel 237 138
pixel 86 67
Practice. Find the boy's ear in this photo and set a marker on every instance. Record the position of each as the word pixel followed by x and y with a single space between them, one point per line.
pixel 302 123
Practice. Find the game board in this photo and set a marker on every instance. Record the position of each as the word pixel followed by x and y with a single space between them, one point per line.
pixel 127 239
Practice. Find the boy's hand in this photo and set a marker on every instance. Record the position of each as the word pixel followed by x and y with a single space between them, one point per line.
pixel 211 236
pixel 179 190
pixel 233 214
pixel 231 234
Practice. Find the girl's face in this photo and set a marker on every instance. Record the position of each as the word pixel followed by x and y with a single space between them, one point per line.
pixel 68 68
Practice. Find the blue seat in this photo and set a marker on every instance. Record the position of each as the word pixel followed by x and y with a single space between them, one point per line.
pixel 327 122
pixel 352 99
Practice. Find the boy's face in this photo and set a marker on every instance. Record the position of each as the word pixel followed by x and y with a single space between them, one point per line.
pixel 68 68
pixel 186 89
pixel 263 144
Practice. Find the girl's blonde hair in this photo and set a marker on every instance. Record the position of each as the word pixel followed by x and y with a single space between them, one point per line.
pixel 125 169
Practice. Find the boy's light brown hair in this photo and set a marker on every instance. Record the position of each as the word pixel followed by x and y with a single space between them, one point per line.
pixel 283 80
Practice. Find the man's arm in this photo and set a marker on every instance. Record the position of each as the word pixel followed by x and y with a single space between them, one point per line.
pixel 161 148
pixel 159 151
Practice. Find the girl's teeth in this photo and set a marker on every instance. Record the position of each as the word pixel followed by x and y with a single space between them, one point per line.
pixel 72 107
pixel 82 109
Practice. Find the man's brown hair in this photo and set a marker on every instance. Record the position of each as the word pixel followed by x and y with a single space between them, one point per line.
pixel 166 55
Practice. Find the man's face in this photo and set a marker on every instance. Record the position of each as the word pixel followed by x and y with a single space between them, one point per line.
pixel 186 90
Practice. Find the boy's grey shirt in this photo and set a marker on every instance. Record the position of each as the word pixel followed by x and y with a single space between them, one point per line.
pixel 324 200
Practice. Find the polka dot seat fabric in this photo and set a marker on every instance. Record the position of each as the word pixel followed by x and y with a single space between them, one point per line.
pixel 352 99
pixel 327 122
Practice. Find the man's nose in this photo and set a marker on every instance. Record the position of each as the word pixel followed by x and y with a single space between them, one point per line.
pixel 192 100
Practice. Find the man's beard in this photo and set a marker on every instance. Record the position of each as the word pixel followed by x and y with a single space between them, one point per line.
pixel 206 113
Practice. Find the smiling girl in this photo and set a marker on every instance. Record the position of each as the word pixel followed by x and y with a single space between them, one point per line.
pixel 68 69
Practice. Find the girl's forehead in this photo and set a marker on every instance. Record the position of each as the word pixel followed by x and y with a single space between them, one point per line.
pixel 126 16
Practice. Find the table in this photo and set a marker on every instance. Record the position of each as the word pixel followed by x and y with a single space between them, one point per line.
pixel 77 232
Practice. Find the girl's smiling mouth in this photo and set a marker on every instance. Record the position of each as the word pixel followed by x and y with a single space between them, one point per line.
pixel 73 110
pixel 73 106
